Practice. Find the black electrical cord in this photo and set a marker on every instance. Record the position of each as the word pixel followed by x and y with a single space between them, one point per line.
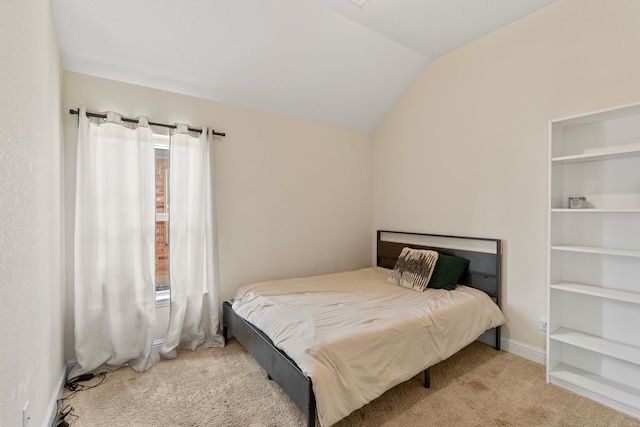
pixel 64 417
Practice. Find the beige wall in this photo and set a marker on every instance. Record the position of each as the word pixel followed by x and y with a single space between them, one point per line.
pixel 31 275
pixel 293 197
pixel 465 151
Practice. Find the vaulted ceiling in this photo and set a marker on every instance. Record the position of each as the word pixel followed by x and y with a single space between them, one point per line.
pixel 330 61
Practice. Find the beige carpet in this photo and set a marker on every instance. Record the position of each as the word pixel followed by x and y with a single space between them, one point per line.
pixel 226 387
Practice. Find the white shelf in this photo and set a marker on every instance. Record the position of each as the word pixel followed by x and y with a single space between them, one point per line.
pixel 598 345
pixel 585 161
pixel 593 383
pixel 595 210
pixel 599 116
pixel 596 250
pixel 597 291
pixel 604 154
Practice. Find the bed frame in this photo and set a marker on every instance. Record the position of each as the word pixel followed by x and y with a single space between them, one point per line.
pixel 483 273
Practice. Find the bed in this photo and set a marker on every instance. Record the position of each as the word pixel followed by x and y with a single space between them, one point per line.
pixel 336 342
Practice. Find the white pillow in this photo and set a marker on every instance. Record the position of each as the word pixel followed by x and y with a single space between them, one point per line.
pixel 414 268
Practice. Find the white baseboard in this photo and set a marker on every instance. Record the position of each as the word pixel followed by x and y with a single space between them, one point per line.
pixel 52 409
pixel 69 364
pixel 526 351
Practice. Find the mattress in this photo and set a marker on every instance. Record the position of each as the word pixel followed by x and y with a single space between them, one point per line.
pixel 356 336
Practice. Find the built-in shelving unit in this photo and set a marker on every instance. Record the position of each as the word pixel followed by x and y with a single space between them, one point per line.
pixel 593 341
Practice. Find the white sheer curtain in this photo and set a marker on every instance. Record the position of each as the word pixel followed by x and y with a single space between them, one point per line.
pixel 194 320
pixel 114 245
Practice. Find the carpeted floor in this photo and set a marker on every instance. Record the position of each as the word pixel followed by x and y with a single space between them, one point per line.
pixel 478 386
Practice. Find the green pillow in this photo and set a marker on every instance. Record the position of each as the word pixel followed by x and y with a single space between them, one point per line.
pixel 447 272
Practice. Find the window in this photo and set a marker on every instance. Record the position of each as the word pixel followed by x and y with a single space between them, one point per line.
pixel 161 143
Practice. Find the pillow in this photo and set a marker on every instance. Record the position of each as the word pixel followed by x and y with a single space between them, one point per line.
pixel 447 272
pixel 414 269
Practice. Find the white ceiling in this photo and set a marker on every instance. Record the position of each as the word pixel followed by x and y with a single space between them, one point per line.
pixel 330 61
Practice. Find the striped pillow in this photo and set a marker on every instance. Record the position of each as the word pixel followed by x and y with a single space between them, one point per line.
pixel 414 269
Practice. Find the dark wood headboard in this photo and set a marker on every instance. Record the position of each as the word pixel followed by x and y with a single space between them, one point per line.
pixel 484 255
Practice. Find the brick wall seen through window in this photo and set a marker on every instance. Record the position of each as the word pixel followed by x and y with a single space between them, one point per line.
pixel 162 218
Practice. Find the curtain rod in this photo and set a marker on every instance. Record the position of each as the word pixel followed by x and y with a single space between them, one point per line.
pixel 128 120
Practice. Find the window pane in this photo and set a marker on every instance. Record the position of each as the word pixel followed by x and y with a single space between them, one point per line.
pixel 162 224
pixel 162 255
pixel 162 180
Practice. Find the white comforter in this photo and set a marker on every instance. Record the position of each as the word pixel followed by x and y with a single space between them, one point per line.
pixel 356 336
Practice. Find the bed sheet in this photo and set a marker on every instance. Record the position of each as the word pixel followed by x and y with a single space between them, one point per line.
pixel 356 336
